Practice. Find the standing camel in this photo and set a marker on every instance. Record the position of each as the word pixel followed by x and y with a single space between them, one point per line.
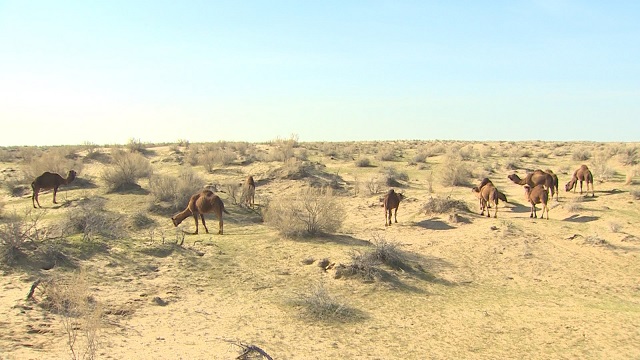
pixel 48 181
pixel 487 193
pixel 532 179
pixel 202 203
pixel 391 201
pixel 249 192
pixel 537 195
pixel 582 174
pixel 556 183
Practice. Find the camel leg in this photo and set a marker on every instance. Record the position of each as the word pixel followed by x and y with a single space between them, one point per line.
pixel 195 217
pixel 55 191
pixel 495 213
pixel 203 223
pixel 220 225
pixel 395 216
pixel 34 199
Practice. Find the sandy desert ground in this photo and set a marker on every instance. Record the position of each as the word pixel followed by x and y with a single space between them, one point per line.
pixel 471 287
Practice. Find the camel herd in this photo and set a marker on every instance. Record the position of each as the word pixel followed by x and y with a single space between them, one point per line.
pixel 537 186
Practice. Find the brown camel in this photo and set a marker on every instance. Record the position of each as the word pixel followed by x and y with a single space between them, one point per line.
pixel 48 181
pixel 249 192
pixel 556 183
pixel 582 174
pixel 538 177
pixel 537 195
pixel 202 203
pixel 391 201
pixel 501 195
pixel 487 194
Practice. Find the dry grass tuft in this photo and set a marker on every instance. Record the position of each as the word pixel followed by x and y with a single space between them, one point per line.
pixel 442 205
pixel 311 211
pixel 318 304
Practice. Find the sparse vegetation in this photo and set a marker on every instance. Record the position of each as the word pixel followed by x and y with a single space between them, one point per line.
pixel 91 219
pixel 80 314
pixel 318 304
pixel 312 211
pixel 363 162
pixel 175 191
pixel 444 205
pixel 453 172
pixel 125 171
pixel 581 154
pixel 17 233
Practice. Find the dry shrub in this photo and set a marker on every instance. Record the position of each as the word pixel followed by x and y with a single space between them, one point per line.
pixel 92 219
pixel 135 145
pixel 125 171
pixel 56 160
pixel 233 189
pixel 80 313
pixel 392 177
pixel 629 155
pixel 635 194
pixel 140 220
pixel 17 233
pixel 175 190
pixel 600 167
pixel 318 304
pixel 386 154
pixel 366 265
pixel 453 172
pixel 441 205
pixel 614 227
pixel 311 211
pixel 581 154
pixel 363 162
pixel 574 205
pixel 283 149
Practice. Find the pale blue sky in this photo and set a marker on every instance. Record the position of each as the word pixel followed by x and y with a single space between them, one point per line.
pixel 107 71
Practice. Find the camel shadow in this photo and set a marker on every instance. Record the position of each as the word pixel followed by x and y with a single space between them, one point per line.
pixel 611 192
pixel 520 208
pixel 434 224
pixel 581 219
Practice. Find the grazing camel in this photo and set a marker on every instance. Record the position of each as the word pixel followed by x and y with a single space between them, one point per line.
pixel 391 201
pixel 487 193
pixel 582 174
pixel 249 192
pixel 48 181
pixel 556 183
pixel 537 195
pixel 202 203
pixel 532 179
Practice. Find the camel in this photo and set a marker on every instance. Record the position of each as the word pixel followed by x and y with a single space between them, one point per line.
pixel 532 179
pixel 501 195
pixel 556 183
pixel 537 195
pixel 487 193
pixel 202 203
pixel 48 181
pixel 582 174
pixel 391 201
pixel 249 192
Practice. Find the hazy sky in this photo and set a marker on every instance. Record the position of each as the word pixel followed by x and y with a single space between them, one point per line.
pixel 107 71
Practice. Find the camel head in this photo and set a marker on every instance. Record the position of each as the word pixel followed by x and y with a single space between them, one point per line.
pixel 71 175
pixel 401 196
pixel 569 186
pixel 175 222
pixel 514 178
pixel 475 189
